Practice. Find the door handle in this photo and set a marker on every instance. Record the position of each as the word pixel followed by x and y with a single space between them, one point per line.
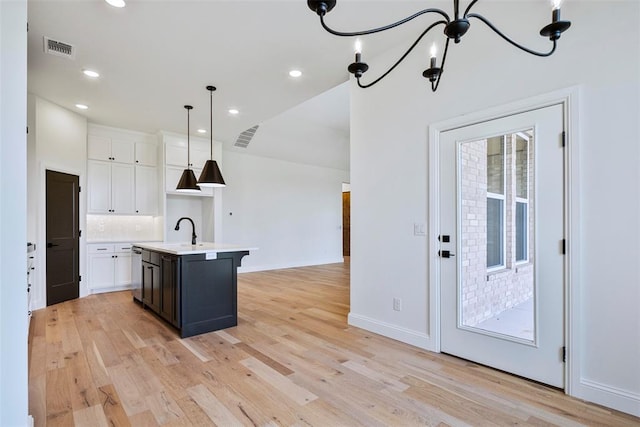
pixel 446 254
pixel 50 245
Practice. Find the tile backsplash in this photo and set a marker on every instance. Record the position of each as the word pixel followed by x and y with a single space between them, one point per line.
pixel 122 228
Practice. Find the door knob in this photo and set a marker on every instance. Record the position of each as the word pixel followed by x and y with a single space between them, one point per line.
pixel 445 254
pixel 50 245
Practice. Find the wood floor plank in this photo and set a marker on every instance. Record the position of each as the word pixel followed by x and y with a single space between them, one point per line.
pixel 211 406
pixel 281 383
pixel 83 392
pixel 91 416
pixel 292 360
pixel 113 410
pixel 193 347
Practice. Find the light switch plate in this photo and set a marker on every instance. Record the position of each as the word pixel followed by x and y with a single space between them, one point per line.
pixel 419 229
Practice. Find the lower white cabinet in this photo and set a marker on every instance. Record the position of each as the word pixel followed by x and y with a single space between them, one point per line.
pixel 109 266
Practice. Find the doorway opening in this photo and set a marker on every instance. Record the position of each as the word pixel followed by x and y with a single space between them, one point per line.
pixel 346 220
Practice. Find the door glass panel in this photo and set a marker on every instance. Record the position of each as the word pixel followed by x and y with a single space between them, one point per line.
pixel 496 289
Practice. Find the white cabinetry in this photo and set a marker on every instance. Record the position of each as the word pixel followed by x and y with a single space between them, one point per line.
pixel 111 187
pixel 146 154
pixel 122 172
pixel 176 163
pixel 109 266
pixel 146 190
pixel 109 149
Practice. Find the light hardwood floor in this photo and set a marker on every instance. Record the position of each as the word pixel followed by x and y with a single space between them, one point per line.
pixel 292 360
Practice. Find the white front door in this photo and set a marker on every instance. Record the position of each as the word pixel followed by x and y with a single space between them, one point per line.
pixel 501 243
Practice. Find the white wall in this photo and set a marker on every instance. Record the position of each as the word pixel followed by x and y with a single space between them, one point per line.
pixel 389 133
pixel 290 211
pixel 13 204
pixel 58 137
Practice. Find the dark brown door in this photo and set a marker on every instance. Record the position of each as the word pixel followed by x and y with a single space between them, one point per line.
pixel 346 224
pixel 63 237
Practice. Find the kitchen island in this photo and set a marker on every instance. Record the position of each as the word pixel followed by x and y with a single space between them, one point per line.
pixel 193 287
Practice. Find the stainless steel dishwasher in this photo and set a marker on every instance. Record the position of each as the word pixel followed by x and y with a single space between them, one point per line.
pixel 136 273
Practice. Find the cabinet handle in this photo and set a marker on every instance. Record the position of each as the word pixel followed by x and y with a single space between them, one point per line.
pixel 101 249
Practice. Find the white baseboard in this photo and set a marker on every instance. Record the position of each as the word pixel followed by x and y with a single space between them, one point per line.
pixel 395 332
pixel 30 421
pixel 267 267
pixel 611 397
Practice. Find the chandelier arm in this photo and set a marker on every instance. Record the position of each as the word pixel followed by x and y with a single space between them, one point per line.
pixel 386 27
pixel 405 54
pixel 519 46
pixel 434 85
pixel 466 11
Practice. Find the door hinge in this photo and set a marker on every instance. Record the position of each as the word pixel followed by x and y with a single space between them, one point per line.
pixel 564 353
pixel 564 246
pixel 27 130
pixel 564 138
pixel 79 233
pixel 79 189
pixel 79 278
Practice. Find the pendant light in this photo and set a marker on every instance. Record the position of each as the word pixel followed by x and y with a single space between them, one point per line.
pixel 211 175
pixel 188 183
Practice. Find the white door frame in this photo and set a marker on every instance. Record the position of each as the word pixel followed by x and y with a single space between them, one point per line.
pixel 569 99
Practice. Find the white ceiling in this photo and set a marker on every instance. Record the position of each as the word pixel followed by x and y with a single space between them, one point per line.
pixel 155 56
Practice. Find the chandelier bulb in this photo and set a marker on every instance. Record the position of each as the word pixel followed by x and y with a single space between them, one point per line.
pixel 434 50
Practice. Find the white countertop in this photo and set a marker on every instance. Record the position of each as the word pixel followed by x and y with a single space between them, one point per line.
pixel 189 249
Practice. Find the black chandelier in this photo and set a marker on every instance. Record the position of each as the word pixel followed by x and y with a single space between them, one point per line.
pixel 453 29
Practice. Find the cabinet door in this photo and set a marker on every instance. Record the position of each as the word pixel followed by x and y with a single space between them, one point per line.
pixel 122 269
pixel 101 270
pixel 147 283
pixel 146 154
pixel 199 155
pixel 122 151
pixel 169 279
pixel 122 185
pixel 99 183
pixel 99 147
pixel 155 287
pixel 151 285
pixel 146 190
pixel 176 155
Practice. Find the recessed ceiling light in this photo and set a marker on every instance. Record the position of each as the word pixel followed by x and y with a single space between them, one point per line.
pixel 295 73
pixel 116 3
pixel 202 131
pixel 82 107
pixel 91 73
pixel 233 111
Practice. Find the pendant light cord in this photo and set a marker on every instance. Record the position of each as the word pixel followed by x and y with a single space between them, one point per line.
pixel 211 120
pixel 188 142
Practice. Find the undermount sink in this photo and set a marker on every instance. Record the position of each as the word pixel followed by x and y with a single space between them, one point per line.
pixel 186 245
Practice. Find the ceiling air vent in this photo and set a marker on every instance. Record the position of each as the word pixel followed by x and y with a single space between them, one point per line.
pixel 245 137
pixel 59 48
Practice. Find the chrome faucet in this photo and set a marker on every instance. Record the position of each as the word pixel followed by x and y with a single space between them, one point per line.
pixel 193 228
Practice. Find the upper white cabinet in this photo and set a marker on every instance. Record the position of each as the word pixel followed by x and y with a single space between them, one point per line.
pixel 110 149
pixel 146 190
pixel 146 154
pixel 122 174
pixel 111 188
pixel 176 155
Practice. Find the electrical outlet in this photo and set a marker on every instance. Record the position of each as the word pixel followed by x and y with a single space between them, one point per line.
pixel 397 304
